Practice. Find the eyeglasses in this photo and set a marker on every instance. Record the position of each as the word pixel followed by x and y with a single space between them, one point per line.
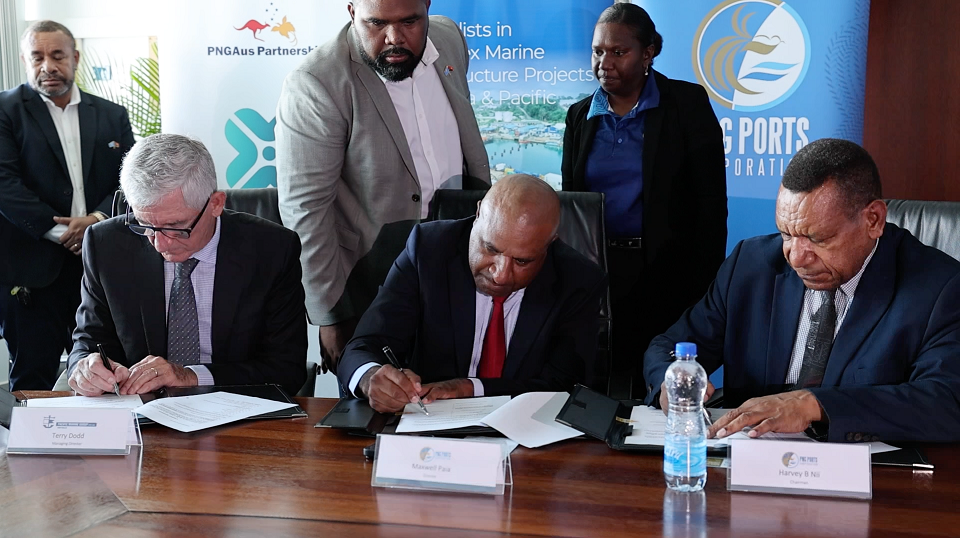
pixel 172 233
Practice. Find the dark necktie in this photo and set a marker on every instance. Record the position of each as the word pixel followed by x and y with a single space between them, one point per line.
pixel 494 352
pixel 819 343
pixel 183 328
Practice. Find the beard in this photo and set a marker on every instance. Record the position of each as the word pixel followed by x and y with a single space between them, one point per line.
pixel 394 72
pixel 66 85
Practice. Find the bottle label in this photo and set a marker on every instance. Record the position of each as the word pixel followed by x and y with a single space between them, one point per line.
pixel 683 456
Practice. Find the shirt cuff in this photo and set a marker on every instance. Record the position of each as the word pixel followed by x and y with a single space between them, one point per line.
pixel 477 387
pixel 357 376
pixel 204 377
pixel 53 234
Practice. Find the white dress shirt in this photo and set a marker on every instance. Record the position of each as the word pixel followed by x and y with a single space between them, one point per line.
pixel 67 122
pixel 511 311
pixel 202 278
pixel 430 127
pixel 843 298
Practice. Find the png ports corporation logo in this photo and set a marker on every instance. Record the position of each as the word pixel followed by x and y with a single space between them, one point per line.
pixel 253 138
pixel 751 55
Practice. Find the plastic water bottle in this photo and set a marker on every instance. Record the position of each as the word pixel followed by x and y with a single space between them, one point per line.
pixel 685 435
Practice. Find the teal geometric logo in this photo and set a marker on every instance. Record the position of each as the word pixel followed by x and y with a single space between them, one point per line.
pixel 253 138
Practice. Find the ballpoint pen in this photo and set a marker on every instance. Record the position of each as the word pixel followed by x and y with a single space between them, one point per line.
pixel 396 364
pixel 106 364
pixel 706 417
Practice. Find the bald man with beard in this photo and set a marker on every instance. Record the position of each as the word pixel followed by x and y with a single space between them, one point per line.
pixel 489 305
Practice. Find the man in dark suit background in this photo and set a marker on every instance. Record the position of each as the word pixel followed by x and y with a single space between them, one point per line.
pixel 60 154
pixel 180 292
pixel 842 322
pixel 483 306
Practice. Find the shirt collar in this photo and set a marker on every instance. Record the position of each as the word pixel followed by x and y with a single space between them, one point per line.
pixel 649 98
pixel 74 97
pixel 208 254
pixel 430 55
pixel 850 287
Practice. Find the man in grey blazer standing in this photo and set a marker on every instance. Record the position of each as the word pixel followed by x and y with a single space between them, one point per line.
pixel 368 128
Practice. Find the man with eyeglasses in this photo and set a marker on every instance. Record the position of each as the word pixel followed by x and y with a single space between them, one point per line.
pixel 181 292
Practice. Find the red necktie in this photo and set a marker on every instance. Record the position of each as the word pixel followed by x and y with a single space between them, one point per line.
pixel 494 352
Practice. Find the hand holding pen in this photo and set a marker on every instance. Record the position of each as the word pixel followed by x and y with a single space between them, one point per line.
pixel 396 364
pixel 108 366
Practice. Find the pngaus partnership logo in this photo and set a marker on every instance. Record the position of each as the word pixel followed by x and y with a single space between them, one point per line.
pixel 253 137
pixel 428 454
pixel 751 55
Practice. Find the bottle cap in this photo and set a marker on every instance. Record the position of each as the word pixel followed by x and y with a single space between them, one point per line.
pixel 685 348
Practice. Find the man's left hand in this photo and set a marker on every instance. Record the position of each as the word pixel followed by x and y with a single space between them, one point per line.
pixel 72 239
pixel 446 390
pixel 153 373
pixel 788 412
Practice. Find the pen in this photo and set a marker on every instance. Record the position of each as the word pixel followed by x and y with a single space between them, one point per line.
pixel 706 417
pixel 396 364
pixel 106 364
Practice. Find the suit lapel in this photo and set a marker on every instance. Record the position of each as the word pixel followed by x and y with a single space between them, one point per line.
pixel 462 110
pixel 463 305
pixel 788 293
pixel 88 133
pixel 38 109
pixel 381 99
pixel 871 300
pixel 652 124
pixel 538 299
pixel 231 275
pixel 153 311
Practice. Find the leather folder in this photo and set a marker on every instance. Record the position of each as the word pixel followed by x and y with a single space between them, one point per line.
pixel 604 418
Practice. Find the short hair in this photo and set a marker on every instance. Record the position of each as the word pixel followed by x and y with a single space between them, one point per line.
pixel 162 163
pixel 40 27
pixel 843 161
pixel 638 20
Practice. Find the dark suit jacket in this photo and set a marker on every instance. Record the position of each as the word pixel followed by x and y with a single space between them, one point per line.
pixel 258 331
pixel 35 185
pixel 684 194
pixel 426 313
pixel 894 369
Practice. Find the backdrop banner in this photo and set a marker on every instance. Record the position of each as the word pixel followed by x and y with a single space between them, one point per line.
pixel 529 61
pixel 779 74
pixel 222 64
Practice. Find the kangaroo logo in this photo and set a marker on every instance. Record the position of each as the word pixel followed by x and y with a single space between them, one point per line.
pixel 253 26
pixel 253 138
pixel 751 55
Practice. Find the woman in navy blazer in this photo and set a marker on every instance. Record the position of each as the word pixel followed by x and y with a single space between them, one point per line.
pixel 654 147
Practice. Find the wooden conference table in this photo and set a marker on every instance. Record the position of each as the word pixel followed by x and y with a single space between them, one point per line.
pixel 286 478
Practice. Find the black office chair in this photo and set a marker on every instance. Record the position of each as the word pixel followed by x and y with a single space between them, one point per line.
pixel 260 202
pixel 936 224
pixel 581 227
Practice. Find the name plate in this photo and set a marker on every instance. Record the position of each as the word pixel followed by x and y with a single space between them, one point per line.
pixel 79 431
pixel 800 468
pixel 431 463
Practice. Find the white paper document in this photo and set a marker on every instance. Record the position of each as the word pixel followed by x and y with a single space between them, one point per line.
pixel 649 424
pixel 192 413
pixel 111 401
pixel 449 414
pixel 529 419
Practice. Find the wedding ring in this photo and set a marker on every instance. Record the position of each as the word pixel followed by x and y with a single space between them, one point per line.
pixel 155 372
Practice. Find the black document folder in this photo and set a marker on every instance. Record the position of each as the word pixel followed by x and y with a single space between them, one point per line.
pixel 604 418
pixel 267 392
pixel 357 417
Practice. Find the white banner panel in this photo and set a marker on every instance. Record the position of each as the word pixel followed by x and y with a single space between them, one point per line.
pixel 222 66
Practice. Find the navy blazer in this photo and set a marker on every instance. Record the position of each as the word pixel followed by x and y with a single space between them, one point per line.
pixel 894 369
pixel 426 312
pixel 35 185
pixel 259 327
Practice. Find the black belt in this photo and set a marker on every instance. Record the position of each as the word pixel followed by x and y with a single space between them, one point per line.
pixel 624 242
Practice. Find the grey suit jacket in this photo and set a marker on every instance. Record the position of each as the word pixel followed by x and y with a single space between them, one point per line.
pixel 345 175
